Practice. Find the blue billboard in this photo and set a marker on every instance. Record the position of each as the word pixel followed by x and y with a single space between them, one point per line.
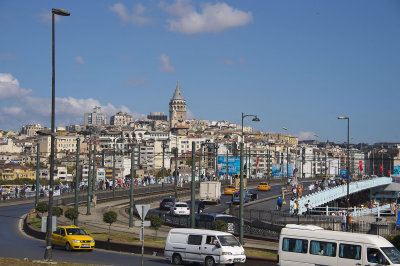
pixel 396 170
pixel 279 170
pixel 233 165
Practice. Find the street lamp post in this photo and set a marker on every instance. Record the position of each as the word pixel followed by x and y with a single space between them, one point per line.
pixel 347 166
pixel 256 119
pixel 48 252
pixel 131 199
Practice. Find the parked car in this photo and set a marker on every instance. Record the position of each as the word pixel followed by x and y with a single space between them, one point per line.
pixel 167 203
pixel 72 237
pixel 180 208
pixel 203 246
pixel 204 220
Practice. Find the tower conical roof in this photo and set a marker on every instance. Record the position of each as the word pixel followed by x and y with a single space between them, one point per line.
pixel 177 93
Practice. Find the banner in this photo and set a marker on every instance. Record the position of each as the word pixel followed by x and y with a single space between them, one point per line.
pixel 233 165
pixel 258 159
pixel 360 165
pixel 396 170
pixel 381 169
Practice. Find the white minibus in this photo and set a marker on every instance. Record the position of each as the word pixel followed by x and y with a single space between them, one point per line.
pixel 205 246
pixel 312 245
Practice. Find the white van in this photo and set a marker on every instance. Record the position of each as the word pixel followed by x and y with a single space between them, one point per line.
pixel 204 246
pixel 312 245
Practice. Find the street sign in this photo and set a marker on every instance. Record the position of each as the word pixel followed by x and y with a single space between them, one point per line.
pixel 139 223
pixel 142 210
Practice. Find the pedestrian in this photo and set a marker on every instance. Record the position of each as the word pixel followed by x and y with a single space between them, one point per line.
pixel 308 207
pixel 279 203
pixel 344 221
pixel 295 207
pixel 201 207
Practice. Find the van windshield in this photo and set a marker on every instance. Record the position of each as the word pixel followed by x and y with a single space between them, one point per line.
pixel 392 253
pixel 228 240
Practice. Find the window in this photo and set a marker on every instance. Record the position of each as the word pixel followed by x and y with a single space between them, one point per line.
pixel 375 256
pixel 195 239
pixel 210 240
pixel 392 253
pixel 295 245
pixel 348 251
pixel 323 248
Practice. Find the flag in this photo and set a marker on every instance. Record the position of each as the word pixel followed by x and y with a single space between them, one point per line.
pixel 389 173
pixel 258 159
pixel 360 165
pixel 381 169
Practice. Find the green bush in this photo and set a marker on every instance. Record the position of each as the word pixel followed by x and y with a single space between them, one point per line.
pixel 109 218
pixel 219 225
pixel 71 214
pixel 57 211
pixel 155 222
pixel 42 207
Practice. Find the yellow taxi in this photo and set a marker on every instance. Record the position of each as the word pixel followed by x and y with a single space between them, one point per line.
pixel 264 186
pixel 229 190
pixel 72 238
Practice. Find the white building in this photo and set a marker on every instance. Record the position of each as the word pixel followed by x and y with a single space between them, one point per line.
pixel 96 117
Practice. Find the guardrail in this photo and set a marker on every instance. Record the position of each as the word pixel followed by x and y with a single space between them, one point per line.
pixel 325 196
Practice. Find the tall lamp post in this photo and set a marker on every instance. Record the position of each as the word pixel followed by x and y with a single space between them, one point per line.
pixel 255 119
pixel 347 166
pixel 48 253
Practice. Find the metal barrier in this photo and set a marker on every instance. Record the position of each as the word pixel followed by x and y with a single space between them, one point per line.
pixel 325 196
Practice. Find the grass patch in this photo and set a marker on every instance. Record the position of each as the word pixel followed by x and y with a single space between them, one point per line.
pixel 148 241
pixel 253 252
pixel 24 262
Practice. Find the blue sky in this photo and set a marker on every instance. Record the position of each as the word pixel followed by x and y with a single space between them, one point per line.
pixel 296 64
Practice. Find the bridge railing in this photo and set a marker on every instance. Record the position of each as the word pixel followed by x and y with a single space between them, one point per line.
pixel 321 197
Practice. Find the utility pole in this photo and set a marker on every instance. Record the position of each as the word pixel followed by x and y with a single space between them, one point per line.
pixel 176 173
pixel 89 179
pixel 193 188
pixel 163 165
pixel 227 166
pixel 78 145
pixel 37 174
pixel 131 199
pixel 249 161
pixel 200 157
pixel 216 160
pixel 113 172
pixel 94 176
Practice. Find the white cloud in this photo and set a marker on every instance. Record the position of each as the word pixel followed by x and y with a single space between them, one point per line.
pixel 79 60
pixel 212 17
pixel 22 108
pixel 165 65
pixel 136 17
pixel 9 87
pixel 7 57
pixel 306 135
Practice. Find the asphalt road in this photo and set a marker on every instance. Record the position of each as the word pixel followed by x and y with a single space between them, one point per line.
pixel 15 244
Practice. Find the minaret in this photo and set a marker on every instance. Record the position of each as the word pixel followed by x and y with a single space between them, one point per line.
pixel 177 108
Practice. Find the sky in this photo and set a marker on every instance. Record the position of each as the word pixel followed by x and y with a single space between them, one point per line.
pixel 294 64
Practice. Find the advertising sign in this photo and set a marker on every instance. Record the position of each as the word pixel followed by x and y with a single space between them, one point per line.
pixel 280 170
pixel 3 141
pixel 233 165
pixel 396 170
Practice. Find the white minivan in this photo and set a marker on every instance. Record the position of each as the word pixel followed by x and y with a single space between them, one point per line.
pixel 303 245
pixel 205 246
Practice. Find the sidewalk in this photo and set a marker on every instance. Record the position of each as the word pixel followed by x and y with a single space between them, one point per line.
pixel 95 221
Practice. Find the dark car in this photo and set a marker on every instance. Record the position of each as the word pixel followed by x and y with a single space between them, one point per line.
pixel 167 203
pixel 204 220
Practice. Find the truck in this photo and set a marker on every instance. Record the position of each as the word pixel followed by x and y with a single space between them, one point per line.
pixel 237 183
pixel 210 191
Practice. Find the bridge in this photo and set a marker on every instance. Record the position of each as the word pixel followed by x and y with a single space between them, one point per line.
pixel 322 197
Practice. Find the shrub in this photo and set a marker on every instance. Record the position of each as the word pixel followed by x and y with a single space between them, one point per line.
pixel 71 214
pixel 57 211
pixel 42 207
pixel 155 222
pixel 395 240
pixel 109 218
pixel 219 225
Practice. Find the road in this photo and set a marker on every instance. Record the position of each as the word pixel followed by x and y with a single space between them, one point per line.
pixel 15 244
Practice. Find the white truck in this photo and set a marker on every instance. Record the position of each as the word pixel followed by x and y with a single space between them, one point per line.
pixel 210 191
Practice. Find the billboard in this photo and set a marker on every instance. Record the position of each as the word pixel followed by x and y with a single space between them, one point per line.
pixel 396 170
pixel 233 165
pixel 3 141
pixel 280 170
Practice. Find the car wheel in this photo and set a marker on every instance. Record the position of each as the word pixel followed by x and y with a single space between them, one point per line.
pixel 67 247
pixel 176 259
pixel 209 261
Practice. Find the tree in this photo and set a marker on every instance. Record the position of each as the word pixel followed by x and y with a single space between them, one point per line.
pixel 71 169
pixel 71 214
pixel 42 207
pixel 57 211
pixel 219 225
pixel 167 172
pixel 155 222
pixel 109 218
